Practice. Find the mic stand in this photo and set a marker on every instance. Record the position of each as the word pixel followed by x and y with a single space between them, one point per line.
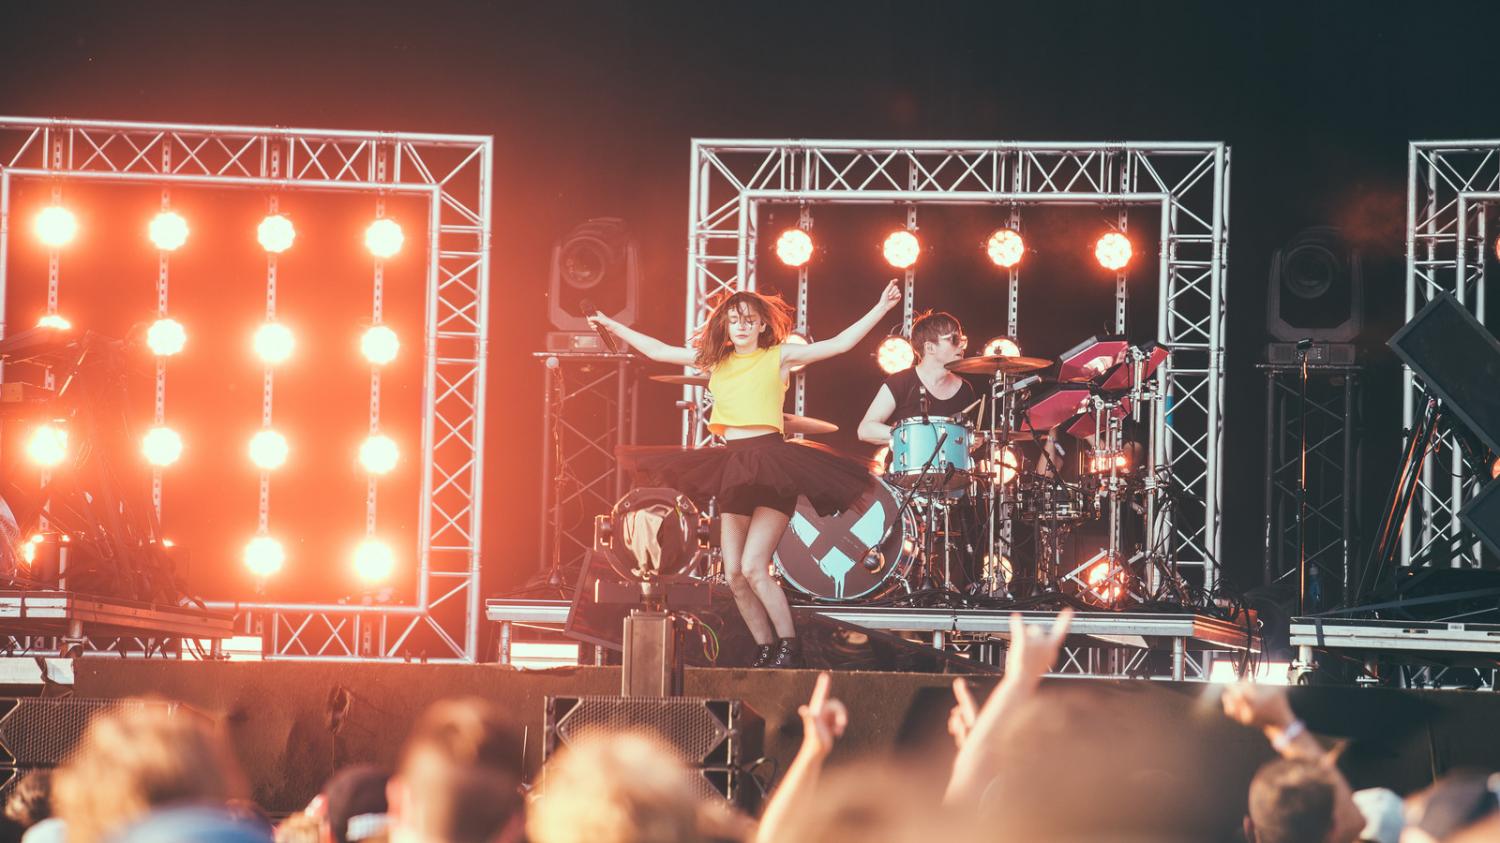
pixel 904 503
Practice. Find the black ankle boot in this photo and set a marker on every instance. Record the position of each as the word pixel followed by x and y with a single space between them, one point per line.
pixel 788 654
pixel 763 655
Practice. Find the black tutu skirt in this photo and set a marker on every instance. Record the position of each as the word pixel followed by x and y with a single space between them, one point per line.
pixel 830 481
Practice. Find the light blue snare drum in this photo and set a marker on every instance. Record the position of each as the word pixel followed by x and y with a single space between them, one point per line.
pixel 913 442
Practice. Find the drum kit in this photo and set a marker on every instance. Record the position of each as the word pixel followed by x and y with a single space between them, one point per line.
pixel 984 504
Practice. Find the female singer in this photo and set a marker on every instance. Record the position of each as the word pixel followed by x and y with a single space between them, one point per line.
pixel 758 475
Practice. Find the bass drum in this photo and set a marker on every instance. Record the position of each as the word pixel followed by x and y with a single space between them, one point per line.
pixel 823 558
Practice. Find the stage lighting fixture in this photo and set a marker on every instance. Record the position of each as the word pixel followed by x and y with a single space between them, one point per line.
pixel 1104 582
pixel 796 339
pixel 1495 470
pixel 901 249
pixel 161 446
pixel 1002 347
pixel 794 247
pixel 268 449
pixel 1113 251
pixel 1006 464
pixel 373 561
pixel 378 454
pixel 1005 247
pixel 384 238
pixel 894 355
pixel 264 556
pixel 276 234
pixel 48 445
pixel 56 226
pixel 168 230
pixel 274 342
pixel 55 321
pixel 379 345
pixel 166 337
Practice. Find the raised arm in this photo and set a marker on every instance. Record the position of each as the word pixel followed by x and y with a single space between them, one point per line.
pixel 649 346
pixel 823 721
pixel 797 355
pixel 873 427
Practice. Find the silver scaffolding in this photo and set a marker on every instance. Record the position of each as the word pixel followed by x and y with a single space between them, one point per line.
pixel 1450 185
pixel 453 173
pixel 1187 182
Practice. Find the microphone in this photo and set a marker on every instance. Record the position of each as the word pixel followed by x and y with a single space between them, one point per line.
pixel 605 336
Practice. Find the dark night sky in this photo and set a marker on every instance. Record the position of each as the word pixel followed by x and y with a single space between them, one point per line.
pixel 593 104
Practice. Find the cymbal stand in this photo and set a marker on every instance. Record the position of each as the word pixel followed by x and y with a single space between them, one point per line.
pixel 1002 405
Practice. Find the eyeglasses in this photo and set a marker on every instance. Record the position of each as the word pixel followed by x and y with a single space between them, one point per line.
pixel 957 339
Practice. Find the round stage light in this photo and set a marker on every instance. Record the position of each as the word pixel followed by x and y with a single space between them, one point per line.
pixel 48 445
pixel 264 556
pixel 168 230
pixel 166 337
pixel 796 339
pixel 56 226
pixel 901 249
pixel 1006 464
pixel 274 342
pixel 1003 347
pixel 378 454
pixel 894 355
pixel 54 321
pixel 161 446
pixel 1005 247
pixel 379 345
pixel 373 561
pixel 384 238
pixel 1113 251
pixel 268 450
pixel 794 247
pixel 276 234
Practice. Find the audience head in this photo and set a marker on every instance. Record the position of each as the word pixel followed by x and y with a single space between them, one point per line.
pixel 878 803
pixel 1455 802
pixel 30 801
pixel 459 778
pixel 616 788
pixel 1302 801
pixel 140 757
pixel 355 803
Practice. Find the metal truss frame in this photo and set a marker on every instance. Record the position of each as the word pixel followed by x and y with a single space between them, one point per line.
pixel 1187 182
pixel 1450 185
pixel 589 410
pixel 453 173
pixel 1332 419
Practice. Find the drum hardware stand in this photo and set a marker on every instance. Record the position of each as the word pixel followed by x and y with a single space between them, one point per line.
pixel 870 558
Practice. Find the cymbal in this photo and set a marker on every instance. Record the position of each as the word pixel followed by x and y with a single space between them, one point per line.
pixel 806 425
pixel 681 380
pixel 989 365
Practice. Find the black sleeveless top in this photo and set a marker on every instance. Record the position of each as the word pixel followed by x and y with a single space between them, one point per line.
pixel 907 388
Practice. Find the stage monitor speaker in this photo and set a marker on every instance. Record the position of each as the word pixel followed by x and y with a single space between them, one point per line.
pixel 1317 288
pixel 718 739
pixel 598 261
pixel 1458 360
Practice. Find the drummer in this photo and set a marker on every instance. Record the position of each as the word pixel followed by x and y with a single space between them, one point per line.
pixel 926 389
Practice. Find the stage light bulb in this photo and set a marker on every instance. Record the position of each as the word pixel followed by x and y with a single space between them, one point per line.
pixel 274 342
pixel 276 234
pixel 373 561
pixel 894 355
pixel 1006 464
pixel 54 321
pixel 1495 470
pixel 379 345
pixel 901 249
pixel 168 230
pixel 268 450
pixel 166 337
pixel 384 238
pixel 1002 347
pixel 796 339
pixel 378 454
pixel 794 247
pixel 28 552
pixel 264 556
pixel 161 446
pixel 48 445
pixel 56 226
pixel 1113 251
pixel 1005 247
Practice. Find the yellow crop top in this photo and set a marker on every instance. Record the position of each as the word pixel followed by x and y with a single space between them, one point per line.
pixel 748 391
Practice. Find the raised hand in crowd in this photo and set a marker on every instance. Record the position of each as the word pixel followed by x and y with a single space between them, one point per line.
pixel 824 719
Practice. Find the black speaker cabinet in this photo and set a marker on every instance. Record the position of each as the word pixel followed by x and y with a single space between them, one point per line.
pixel 719 739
